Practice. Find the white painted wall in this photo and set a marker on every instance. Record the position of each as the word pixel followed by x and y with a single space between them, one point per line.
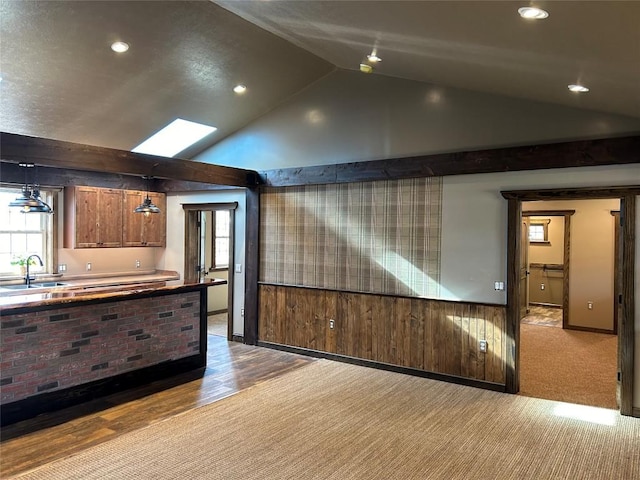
pixel 348 116
pixel 173 257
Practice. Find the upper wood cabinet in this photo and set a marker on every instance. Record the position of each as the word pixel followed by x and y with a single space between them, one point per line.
pixel 93 217
pixel 140 230
pixel 104 217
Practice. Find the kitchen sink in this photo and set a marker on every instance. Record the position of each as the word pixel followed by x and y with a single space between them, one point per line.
pixel 34 285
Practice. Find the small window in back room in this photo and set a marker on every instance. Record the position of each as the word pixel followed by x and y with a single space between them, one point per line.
pixel 539 230
pixel 221 234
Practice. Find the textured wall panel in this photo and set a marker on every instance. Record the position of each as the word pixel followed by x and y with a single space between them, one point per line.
pixel 381 237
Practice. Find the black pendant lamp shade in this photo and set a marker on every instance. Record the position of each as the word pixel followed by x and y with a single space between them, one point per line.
pixel 29 200
pixel 147 207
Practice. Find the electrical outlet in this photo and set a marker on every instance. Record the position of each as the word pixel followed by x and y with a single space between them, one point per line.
pixel 498 285
pixel 332 324
pixel 542 286
pixel 589 305
pixel 62 267
pixel 483 346
pixel 242 312
pixel 137 263
pixel 88 266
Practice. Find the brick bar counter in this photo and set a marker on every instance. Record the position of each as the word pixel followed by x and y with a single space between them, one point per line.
pixel 62 348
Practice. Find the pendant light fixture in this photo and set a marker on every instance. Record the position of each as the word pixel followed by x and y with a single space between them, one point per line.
pixel 29 200
pixel 147 207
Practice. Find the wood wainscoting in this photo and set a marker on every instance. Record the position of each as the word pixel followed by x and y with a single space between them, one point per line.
pixel 441 337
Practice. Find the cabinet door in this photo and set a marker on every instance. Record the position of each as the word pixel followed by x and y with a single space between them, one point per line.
pixel 110 218
pixel 132 223
pixel 86 217
pixel 154 225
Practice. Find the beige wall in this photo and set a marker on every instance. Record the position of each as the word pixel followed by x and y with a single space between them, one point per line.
pixel 218 296
pixel 553 253
pixel 103 260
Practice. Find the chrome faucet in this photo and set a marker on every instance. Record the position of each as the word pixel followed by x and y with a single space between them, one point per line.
pixel 27 278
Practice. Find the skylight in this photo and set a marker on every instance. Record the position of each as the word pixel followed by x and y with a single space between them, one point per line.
pixel 174 138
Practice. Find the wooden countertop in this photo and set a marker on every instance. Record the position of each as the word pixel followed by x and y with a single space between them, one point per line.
pixel 63 296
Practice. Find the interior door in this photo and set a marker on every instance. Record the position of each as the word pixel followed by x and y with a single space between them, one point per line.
pixel 192 247
pixel 524 267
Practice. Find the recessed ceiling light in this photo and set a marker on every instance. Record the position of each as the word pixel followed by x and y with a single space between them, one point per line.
pixel 119 47
pixel 533 13
pixel 364 68
pixel 240 88
pixel 374 58
pixel 578 88
pixel 174 138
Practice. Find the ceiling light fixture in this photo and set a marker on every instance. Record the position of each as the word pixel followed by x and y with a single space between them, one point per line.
pixel 578 88
pixel 364 68
pixel 147 207
pixel 29 200
pixel 373 58
pixel 119 47
pixel 239 89
pixel 533 13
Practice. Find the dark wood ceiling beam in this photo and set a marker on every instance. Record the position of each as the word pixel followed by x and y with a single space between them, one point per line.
pixel 58 154
pixel 63 177
pixel 587 153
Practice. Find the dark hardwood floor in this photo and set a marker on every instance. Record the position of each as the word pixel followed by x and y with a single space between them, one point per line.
pixel 231 367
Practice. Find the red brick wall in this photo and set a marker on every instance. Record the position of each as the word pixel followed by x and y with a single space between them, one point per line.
pixel 56 349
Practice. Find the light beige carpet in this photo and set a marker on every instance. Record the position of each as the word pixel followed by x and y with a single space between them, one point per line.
pixel 568 365
pixel 331 420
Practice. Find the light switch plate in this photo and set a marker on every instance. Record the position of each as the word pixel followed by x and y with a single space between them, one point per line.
pixel 238 268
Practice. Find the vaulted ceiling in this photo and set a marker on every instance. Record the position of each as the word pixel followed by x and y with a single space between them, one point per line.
pixel 61 80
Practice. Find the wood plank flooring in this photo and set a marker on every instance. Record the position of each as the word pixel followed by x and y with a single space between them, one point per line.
pixel 231 367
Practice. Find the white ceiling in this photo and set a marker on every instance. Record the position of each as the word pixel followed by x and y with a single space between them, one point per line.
pixel 62 81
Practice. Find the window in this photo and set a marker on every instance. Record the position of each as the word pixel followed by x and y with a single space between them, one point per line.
pixel 539 230
pixel 221 233
pixel 24 234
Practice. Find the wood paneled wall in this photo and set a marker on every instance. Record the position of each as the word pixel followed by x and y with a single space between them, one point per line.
pixel 430 335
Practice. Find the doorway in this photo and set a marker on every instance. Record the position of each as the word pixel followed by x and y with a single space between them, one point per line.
pixel 209 254
pixel 569 351
pixel 627 197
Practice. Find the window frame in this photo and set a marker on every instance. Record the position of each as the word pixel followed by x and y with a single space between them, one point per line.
pixel 50 229
pixel 544 223
pixel 215 266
